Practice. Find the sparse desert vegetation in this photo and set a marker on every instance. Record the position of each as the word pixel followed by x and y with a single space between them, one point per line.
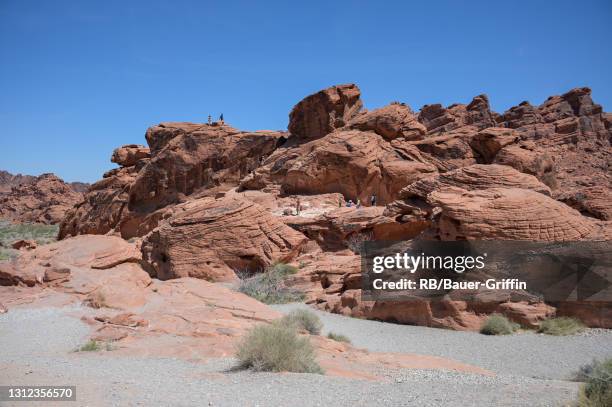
pixel 597 389
pixel 498 324
pixel 303 320
pixel 338 337
pixel 561 326
pixel 11 232
pixel 268 287
pixel 90 346
pixel 42 234
pixel 94 346
pixel 277 348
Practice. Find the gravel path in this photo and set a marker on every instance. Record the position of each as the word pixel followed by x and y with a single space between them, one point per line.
pixel 526 354
pixel 36 348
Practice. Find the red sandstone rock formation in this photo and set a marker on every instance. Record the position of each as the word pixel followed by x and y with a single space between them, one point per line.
pixel 43 199
pixel 186 159
pixel 8 180
pixel 320 113
pixel 456 172
pixel 130 154
pixel 392 121
pixel 211 239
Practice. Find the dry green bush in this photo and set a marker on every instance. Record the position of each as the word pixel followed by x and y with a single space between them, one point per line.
pixel 90 346
pixel 303 319
pixel 498 324
pixel 561 326
pixel 269 287
pixel 597 390
pixel 277 348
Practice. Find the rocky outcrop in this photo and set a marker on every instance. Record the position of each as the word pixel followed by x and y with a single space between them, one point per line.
pixel 332 282
pixel 507 214
pixel 323 112
pixel 130 154
pixel 60 259
pixel 355 163
pixel 438 119
pixel 8 180
pixel 479 202
pixel 392 121
pixel 44 199
pixel 214 238
pixel 348 227
pixel 187 159
pixel 565 142
pixel 204 157
pixel 211 200
pixel 104 206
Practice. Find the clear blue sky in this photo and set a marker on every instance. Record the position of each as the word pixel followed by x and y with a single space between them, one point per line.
pixel 79 78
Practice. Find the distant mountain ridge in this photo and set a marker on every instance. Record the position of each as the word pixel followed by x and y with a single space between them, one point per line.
pixel 8 180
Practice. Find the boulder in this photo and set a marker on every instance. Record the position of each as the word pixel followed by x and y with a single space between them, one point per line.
pixel 214 238
pixel 489 141
pixel 130 154
pixel 507 214
pixel 392 121
pixel 323 112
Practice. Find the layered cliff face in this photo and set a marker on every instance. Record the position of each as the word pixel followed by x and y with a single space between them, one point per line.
pixel 210 200
pixel 42 199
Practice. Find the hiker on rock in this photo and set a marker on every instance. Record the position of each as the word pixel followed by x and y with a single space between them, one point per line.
pixel 221 119
pixel 209 120
pixel 373 200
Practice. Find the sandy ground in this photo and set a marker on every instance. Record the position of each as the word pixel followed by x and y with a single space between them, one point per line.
pixel 37 348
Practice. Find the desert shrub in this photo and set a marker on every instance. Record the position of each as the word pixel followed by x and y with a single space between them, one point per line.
pixel 597 390
pixel 338 337
pixel 283 269
pixel 42 234
pixel 498 324
pixel 355 241
pixel 561 326
pixel 277 348
pixel 303 319
pixel 90 346
pixel 269 287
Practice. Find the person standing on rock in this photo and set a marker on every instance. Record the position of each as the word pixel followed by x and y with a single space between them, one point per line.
pixel 358 203
pixel 373 200
pixel 209 120
pixel 221 119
